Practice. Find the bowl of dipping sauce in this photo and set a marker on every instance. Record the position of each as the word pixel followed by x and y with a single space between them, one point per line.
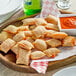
pixel 67 23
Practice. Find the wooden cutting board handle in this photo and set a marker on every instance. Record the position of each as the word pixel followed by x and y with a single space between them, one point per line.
pixel 1 57
pixel 67 12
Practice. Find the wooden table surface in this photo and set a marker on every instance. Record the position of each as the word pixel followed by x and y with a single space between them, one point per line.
pixel 4 71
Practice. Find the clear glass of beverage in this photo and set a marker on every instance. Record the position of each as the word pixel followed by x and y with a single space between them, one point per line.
pixel 64 4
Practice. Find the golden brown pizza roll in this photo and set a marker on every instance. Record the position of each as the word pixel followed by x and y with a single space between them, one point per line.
pixel 29 21
pixel 5 35
pixel 23 57
pixel 28 33
pixel 7 45
pixel 19 36
pixel 37 55
pixel 69 41
pixel 30 39
pixel 53 42
pixel 25 45
pixel 59 35
pixel 50 26
pixel 52 52
pixel 49 33
pixel 15 49
pixel 23 28
pixel 40 21
pixel 52 19
pixel 39 31
pixel 40 44
pixel 11 29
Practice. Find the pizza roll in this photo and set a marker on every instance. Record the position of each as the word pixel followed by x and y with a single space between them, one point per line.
pixel 59 35
pixel 25 45
pixel 69 41
pixel 11 29
pixel 4 35
pixel 28 33
pixel 29 21
pixel 23 57
pixel 49 33
pixel 7 45
pixel 40 44
pixel 52 19
pixel 15 49
pixel 30 39
pixel 23 28
pixel 40 21
pixel 50 26
pixel 39 31
pixel 52 52
pixel 19 36
pixel 53 42
pixel 37 55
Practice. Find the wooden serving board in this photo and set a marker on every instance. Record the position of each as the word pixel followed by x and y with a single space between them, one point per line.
pixel 9 59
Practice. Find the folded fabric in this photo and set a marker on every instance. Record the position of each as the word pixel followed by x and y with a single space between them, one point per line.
pixel 40 67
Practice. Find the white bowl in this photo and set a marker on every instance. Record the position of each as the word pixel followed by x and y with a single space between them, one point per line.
pixel 70 71
pixel 7 6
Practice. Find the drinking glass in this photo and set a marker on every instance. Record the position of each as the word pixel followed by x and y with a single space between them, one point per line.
pixel 64 4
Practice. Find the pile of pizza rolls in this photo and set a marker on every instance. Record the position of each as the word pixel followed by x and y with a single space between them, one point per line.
pixel 36 39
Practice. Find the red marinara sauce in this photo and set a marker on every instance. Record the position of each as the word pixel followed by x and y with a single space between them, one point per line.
pixel 68 22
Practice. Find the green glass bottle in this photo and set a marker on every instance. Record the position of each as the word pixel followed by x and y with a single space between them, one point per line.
pixel 32 7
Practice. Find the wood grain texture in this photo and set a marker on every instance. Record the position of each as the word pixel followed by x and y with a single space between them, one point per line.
pixel 10 62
